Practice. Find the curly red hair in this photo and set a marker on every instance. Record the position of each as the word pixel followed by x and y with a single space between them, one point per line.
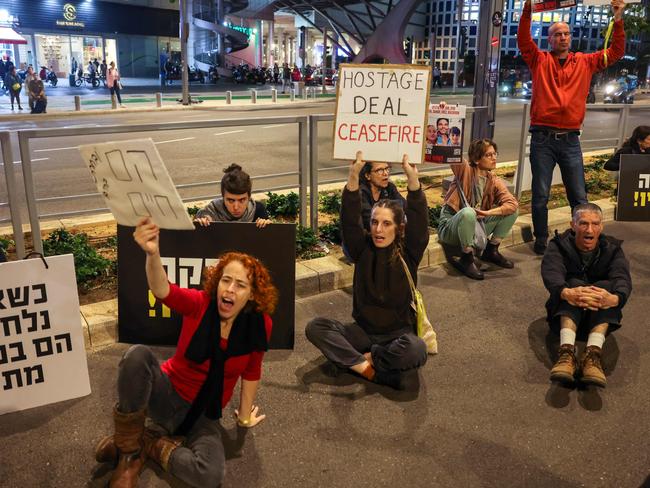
pixel 264 293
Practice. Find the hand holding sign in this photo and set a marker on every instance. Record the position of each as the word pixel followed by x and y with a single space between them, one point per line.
pixel 411 173
pixel 147 235
pixel 355 169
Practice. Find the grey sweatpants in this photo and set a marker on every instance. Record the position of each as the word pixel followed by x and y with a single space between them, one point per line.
pixel 344 345
pixel 200 461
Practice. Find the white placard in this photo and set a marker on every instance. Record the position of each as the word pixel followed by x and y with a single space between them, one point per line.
pixel 445 133
pixel 381 109
pixel 135 183
pixel 42 352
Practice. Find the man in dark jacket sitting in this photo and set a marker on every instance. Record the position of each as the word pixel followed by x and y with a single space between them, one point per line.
pixel 588 278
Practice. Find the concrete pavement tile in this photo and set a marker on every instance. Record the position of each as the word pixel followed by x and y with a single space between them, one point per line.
pixel 101 318
pixel 306 281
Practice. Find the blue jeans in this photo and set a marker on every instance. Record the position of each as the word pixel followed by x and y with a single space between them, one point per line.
pixel 547 149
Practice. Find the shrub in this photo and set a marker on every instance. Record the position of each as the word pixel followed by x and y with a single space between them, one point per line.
pixel 5 244
pixel 193 210
pixel 434 216
pixel 330 203
pixel 331 232
pixel 87 262
pixel 306 240
pixel 282 205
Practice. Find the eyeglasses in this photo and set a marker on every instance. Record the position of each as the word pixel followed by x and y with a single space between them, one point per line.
pixel 491 154
pixel 382 171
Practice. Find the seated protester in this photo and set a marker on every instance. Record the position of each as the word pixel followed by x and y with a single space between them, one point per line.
pixel 588 278
pixel 381 343
pixel 638 143
pixel 223 338
pixel 235 203
pixel 375 185
pixel 490 200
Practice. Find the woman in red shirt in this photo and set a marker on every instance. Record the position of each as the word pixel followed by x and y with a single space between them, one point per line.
pixel 225 332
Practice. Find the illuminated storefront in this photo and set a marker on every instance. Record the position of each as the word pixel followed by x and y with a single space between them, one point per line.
pixel 61 34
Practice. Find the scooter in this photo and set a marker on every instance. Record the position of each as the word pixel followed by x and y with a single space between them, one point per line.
pixel 52 78
pixel 617 91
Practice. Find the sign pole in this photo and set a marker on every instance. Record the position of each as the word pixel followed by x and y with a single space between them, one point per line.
pixel 486 74
pixel 184 33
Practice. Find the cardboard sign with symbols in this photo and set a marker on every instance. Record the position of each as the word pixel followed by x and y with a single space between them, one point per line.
pixel 633 202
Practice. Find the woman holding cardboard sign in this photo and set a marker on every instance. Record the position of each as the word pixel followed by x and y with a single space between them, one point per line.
pixel 381 343
pixel 226 327
pixel 476 194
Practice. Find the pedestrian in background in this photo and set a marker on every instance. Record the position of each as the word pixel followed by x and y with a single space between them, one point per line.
pixel 113 83
pixel 29 76
pixel 14 85
pixel 36 92
pixel 92 71
pixel 103 69
pixel 436 77
pixel 286 77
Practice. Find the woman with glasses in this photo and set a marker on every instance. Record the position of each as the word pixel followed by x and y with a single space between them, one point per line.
pixel 488 198
pixel 375 185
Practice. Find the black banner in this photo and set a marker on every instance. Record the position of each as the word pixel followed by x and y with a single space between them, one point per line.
pixel 184 254
pixel 633 202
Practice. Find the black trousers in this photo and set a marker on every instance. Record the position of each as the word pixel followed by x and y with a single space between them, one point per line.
pixel 344 345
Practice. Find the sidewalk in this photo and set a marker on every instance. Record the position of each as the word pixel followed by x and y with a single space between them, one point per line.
pixel 322 275
pixel 481 413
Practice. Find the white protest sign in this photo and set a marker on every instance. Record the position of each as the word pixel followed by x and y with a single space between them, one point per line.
pixel 135 183
pixel 381 109
pixel 445 133
pixel 42 353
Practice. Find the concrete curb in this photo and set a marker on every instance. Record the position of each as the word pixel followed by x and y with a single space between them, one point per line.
pixel 321 275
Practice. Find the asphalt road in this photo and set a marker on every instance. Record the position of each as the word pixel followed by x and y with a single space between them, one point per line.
pixel 199 155
pixel 482 413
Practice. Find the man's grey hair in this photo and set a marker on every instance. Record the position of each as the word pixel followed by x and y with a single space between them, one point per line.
pixel 584 208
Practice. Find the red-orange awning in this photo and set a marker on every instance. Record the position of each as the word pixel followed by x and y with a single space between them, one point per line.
pixel 10 36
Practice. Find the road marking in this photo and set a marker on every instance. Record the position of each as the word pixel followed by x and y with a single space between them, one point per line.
pixel 56 149
pixel 175 140
pixel 228 132
pixel 33 160
pixel 273 126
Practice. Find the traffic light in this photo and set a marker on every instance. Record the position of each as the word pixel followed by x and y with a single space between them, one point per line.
pixel 463 42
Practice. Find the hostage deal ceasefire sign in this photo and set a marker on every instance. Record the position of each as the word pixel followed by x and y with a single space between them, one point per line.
pixel 381 109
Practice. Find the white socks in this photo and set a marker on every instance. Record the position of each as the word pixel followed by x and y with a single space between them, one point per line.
pixel 568 336
pixel 596 339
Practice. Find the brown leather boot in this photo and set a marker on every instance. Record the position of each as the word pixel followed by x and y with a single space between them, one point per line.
pixel 129 428
pixel 564 368
pixel 592 369
pixel 106 450
pixel 159 448
pixel 492 255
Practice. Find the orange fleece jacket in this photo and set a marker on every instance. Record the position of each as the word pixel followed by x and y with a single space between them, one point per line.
pixel 560 92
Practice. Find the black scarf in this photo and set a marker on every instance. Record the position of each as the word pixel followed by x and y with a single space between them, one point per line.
pixel 247 334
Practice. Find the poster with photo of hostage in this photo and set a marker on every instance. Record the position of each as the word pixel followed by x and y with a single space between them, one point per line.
pixel 445 133
pixel 545 5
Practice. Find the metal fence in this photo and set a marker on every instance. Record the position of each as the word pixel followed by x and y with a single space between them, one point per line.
pixel 309 170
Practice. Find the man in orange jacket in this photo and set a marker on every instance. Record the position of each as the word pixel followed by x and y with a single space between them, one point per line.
pixel 561 82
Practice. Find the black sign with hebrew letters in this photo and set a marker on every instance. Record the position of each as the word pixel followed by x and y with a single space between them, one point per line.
pixel 633 202
pixel 184 254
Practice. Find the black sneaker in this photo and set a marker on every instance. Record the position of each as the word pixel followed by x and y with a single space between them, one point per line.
pixel 467 266
pixel 540 247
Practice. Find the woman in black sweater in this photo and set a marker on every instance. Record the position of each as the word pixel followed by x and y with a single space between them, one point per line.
pixel 638 143
pixel 381 343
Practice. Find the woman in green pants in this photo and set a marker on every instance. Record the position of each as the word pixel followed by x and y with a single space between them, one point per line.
pixel 488 198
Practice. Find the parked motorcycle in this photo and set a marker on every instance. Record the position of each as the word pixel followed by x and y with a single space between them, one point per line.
pixel 213 74
pixel 52 78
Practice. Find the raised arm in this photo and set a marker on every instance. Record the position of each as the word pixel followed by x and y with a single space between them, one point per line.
pixel 352 229
pixel 417 215
pixel 147 235
pixel 617 48
pixel 528 48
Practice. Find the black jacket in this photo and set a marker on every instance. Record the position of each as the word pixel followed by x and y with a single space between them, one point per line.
pixel 628 147
pixel 561 263
pixel 381 292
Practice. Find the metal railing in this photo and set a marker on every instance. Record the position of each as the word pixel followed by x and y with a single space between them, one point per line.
pixel 12 203
pixel 308 172
pixel 25 136
pixel 613 142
